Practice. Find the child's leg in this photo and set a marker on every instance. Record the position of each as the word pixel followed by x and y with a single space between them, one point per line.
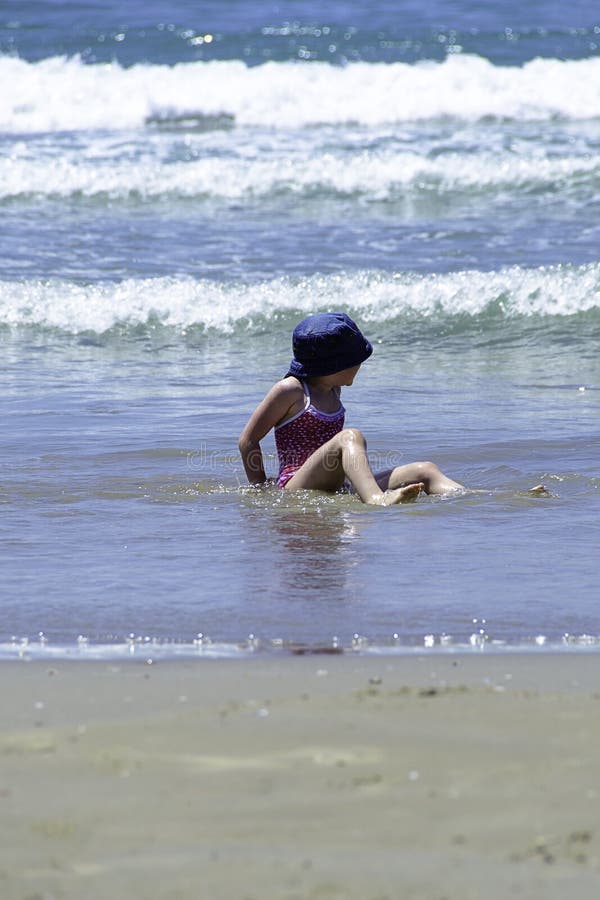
pixel 426 473
pixel 345 456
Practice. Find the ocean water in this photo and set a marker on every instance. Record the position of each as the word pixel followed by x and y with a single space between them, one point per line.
pixel 178 186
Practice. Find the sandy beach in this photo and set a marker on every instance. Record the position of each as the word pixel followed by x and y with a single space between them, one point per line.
pixel 448 777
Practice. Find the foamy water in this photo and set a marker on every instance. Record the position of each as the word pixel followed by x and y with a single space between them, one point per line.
pixel 374 175
pixel 373 297
pixel 59 94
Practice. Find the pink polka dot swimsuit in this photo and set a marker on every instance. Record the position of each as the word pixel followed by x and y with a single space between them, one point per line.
pixel 297 438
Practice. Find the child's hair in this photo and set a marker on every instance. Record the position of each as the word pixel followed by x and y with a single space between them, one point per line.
pixel 326 343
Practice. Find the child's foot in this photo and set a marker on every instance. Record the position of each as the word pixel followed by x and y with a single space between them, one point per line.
pixel 406 494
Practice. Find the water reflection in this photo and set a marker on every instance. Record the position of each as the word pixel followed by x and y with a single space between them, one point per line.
pixel 307 548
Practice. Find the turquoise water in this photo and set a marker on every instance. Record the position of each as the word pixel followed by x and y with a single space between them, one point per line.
pixel 177 191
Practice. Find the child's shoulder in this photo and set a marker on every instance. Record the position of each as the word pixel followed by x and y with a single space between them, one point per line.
pixel 285 397
pixel 289 386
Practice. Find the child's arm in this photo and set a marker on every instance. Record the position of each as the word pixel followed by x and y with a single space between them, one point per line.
pixel 276 406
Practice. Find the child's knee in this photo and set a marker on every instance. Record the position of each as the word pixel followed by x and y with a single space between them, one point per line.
pixel 429 473
pixel 352 437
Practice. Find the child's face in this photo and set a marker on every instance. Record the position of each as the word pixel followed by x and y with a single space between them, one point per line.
pixel 346 376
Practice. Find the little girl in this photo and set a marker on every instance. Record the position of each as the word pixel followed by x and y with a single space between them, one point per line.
pixel 315 450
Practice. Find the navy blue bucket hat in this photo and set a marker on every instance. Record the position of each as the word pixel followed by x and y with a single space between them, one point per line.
pixel 327 343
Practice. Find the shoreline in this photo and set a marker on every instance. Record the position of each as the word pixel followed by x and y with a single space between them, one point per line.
pixel 456 776
pixel 142 650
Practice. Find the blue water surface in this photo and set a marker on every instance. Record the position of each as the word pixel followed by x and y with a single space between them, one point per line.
pixel 156 252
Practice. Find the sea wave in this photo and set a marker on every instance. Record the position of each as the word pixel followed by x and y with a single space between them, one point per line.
pixel 65 94
pixel 377 175
pixel 374 297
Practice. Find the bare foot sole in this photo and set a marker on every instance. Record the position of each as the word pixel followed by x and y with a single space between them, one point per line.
pixel 407 494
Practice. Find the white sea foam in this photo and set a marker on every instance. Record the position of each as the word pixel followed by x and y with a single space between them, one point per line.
pixel 61 94
pixel 373 296
pixel 377 175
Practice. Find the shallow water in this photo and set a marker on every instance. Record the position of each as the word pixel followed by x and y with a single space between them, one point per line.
pixel 171 206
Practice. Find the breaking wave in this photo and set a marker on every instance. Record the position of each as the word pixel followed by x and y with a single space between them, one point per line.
pixel 374 297
pixel 65 94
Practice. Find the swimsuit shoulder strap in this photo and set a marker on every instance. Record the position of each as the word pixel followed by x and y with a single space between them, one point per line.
pixel 303 410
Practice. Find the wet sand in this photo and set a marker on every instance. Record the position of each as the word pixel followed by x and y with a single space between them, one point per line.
pixel 310 778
